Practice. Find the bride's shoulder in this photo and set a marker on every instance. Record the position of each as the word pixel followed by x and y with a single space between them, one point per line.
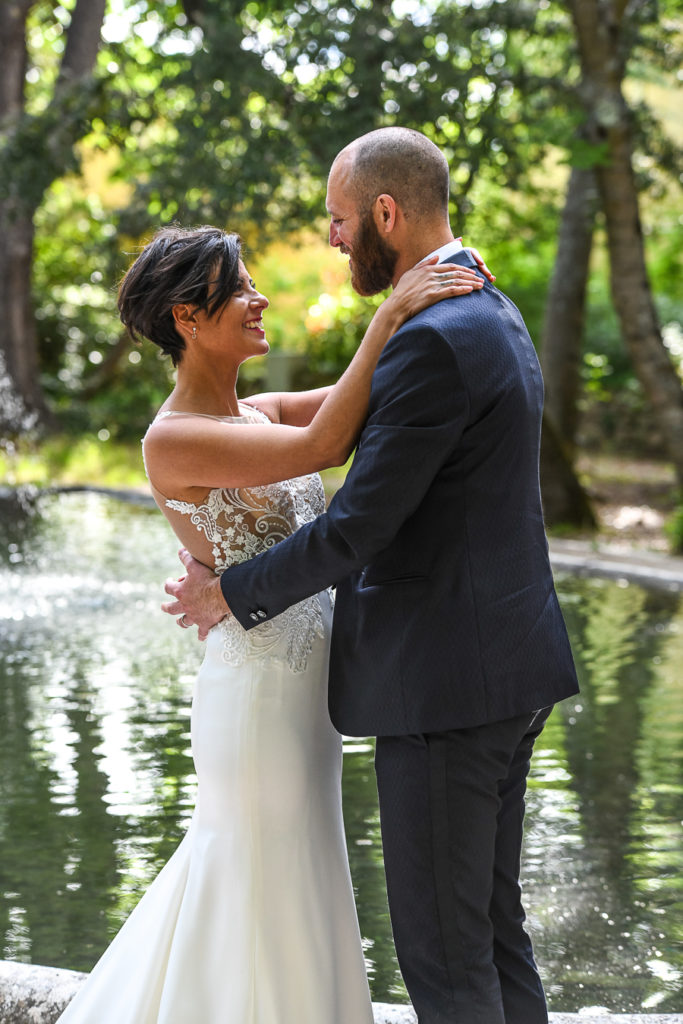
pixel 265 407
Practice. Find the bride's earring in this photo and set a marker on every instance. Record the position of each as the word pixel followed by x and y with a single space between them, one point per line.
pixel 194 333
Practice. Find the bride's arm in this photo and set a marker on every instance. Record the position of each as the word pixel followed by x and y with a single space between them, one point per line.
pixel 296 408
pixel 185 452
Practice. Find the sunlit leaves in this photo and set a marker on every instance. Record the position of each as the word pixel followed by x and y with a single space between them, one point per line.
pixel 231 112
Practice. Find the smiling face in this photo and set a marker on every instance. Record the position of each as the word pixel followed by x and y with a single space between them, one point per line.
pixel 372 260
pixel 238 326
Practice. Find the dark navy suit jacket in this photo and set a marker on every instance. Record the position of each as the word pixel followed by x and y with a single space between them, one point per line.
pixel 446 615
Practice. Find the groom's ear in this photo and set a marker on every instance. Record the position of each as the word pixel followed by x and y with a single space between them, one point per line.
pixel 385 213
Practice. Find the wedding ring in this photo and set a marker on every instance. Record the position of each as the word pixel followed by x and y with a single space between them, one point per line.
pixel 181 620
pixel 446 279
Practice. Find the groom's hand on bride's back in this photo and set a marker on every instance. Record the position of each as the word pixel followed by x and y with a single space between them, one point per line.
pixel 198 599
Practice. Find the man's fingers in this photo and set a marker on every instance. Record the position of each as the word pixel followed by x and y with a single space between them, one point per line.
pixel 185 557
pixel 189 596
pixel 172 587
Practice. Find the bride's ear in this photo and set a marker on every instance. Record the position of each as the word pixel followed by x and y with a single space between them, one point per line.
pixel 185 319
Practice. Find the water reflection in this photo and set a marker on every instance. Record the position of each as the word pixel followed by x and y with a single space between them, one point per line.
pixel 614 921
pixel 97 785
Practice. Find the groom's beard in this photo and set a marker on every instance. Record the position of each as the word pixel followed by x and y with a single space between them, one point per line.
pixel 373 261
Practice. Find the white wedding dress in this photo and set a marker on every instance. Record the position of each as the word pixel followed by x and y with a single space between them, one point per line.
pixel 252 920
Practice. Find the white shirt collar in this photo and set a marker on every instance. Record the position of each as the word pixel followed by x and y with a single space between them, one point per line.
pixel 444 251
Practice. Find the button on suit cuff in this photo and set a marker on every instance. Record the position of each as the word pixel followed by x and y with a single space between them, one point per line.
pixel 235 588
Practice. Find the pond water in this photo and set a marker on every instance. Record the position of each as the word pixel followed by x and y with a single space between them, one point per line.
pixel 97 784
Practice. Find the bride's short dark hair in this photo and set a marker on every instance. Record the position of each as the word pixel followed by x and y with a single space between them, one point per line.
pixel 199 266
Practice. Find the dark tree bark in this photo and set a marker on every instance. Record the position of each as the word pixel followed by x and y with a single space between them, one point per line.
pixel 83 40
pixel 13 55
pixel 21 399
pixel 194 10
pixel 22 403
pixel 564 499
pixel 565 503
pixel 562 337
pixel 598 26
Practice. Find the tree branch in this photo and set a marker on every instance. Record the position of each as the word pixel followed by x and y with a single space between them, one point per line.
pixel 83 40
pixel 104 373
pixel 13 56
pixel 194 11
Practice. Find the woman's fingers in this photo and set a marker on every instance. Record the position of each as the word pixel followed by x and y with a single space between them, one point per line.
pixel 429 282
pixel 482 266
pixel 458 280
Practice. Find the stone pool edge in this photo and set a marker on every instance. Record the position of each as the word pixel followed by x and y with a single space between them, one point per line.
pixel 610 560
pixel 648 568
pixel 592 558
pixel 31 994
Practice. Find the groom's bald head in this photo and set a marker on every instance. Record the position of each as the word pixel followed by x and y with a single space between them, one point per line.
pixel 401 163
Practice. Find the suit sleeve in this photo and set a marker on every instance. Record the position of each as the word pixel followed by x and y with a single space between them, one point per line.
pixel 418 410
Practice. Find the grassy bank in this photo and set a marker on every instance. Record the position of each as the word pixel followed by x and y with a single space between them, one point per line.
pixel 67 460
pixel 89 460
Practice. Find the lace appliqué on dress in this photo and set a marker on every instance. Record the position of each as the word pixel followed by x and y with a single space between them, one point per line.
pixel 242 523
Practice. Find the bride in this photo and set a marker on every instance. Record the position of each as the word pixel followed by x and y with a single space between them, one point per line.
pixel 252 921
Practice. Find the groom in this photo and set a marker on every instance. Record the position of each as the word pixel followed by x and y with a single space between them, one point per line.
pixel 448 641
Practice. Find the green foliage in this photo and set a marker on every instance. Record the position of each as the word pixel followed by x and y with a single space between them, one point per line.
pixel 516 234
pixel 75 253
pixel 252 147
pixel 94 375
pixel 620 406
pixel 125 407
pixel 229 112
pixel 65 461
pixel 291 274
pixel 37 149
pixel 337 324
pixel 674 529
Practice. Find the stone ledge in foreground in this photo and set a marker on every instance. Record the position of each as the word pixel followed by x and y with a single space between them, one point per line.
pixel 30 994
pixel 387 1013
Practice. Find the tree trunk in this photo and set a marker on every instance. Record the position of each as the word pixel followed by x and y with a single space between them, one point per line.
pixel 13 57
pixel 562 338
pixel 83 40
pixel 564 499
pixel 633 299
pixel 598 27
pixel 22 403
pixel 565 502
pixel 21 398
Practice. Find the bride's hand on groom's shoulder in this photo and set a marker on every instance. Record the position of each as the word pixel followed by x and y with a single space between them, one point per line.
pixel 198 599
pixel 479 260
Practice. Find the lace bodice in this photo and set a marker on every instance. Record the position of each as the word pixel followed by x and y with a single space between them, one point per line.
pixel 241 523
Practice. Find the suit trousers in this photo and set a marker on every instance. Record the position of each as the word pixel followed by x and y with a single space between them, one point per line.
pixel 452 810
